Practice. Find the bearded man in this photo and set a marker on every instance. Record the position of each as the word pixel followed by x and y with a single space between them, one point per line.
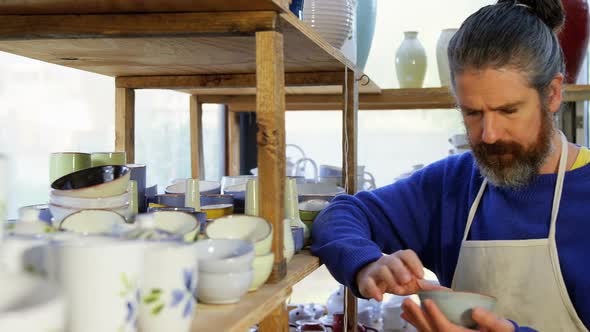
pixel 508 219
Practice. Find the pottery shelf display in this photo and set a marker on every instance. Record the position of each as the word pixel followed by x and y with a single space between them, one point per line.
pixel 232 45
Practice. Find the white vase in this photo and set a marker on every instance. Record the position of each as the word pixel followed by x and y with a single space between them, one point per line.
pixel 442 59
pixel 332 19
pixel 366 15
pixel 410 61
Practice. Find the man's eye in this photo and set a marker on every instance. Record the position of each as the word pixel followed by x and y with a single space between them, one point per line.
pixel 471 113
pixel 508 111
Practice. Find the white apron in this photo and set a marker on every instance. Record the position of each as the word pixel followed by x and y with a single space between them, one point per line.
pixel 524 275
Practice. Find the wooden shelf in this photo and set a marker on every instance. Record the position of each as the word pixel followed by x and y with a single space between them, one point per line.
pixel 255 306
pixel 388 99
pixel 195 43
pixel 113 6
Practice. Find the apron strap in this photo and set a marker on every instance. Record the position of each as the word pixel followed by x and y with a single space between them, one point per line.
pixel 473 208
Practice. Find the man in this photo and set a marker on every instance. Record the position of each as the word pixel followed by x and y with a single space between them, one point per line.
pixel 508 219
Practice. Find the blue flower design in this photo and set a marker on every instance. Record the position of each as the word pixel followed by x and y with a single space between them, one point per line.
pixel 178 295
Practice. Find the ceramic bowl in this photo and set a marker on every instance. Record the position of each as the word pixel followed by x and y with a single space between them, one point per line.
pixel 225 255
pixel 216 199
pixel 30 303
pixel 223 288
pixel 215 211
pixel 320 191
pixel 205 187
pixel 177 223
pixel 100 181
pixel 457 306
pixel 309 209
pixel 171 200
pixel 44 213
pixel 262 268
pixel 60 212
pixel 89 203
pixel 253 229
pixel 92 221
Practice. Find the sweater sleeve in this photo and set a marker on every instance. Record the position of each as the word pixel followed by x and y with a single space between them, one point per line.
pixel 354 231
pixel 521 328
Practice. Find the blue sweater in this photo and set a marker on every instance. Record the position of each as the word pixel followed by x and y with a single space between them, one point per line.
pixel 427 213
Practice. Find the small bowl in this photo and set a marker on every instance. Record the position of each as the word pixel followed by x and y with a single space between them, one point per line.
pixel 177 223
pixel 458 306
pixel 205 187
pixel 171 200
pixel 320 191
pixel 262 268
pixel 100 181
pixel 223 288
pixel 92 222
pixel 215 211
pixel 216 199
pixel 250 228
pixel 89 203
pixel 224 255
pixel 60 212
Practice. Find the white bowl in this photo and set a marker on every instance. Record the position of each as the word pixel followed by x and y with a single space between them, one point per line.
pixel 205 187
pixel 262 269
pixel 89 203
pixel 243 227
pixel 60 212
pixel 92 221
pixel 110 187
pixel 30 304
pixel 224 255
pixel 223 288
pixel 177 222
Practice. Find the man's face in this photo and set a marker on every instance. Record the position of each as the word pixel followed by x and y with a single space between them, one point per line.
pixel 508 129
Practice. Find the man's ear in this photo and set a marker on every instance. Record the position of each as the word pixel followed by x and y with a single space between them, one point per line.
pixel 555 96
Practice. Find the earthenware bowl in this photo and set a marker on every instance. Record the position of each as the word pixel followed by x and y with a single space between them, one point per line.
pixel 101 181
pixel 253 229
pixel 458 306
pixel 224 255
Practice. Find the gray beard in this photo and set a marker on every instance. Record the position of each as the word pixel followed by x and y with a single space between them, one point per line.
pixel 519 175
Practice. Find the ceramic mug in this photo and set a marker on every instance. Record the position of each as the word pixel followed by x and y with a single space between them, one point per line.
pixel 108 158
pixel 63 163
pixel 333 175
pixel 100 277
pixel 192 196
pixel 168 298
pixel 251 206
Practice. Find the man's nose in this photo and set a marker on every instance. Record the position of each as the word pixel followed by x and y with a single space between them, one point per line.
pixel 490 131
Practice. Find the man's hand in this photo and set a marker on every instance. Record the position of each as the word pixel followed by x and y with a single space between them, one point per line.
pixel 400 273
pixel 431 319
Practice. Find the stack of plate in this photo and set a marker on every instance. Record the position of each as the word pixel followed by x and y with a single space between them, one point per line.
pixel 332 19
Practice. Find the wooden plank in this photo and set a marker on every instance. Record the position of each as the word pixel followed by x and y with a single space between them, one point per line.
pixel 124 6
pixel 125 122
pixel 304 49
pixel 388 99
pixel 196 136
pixel 239 81
pixel 350 134
pixel 254 306
pixel 276 321
pixel 365 86
pixel 32 27
pixel 270 118
pixel 232 143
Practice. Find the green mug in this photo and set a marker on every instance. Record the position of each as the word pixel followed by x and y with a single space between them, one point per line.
pixel 108 158
pixel 63 163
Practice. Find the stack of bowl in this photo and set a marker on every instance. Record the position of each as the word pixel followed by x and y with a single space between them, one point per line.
pixel 225 270
pixel 96 188
pixel 249 228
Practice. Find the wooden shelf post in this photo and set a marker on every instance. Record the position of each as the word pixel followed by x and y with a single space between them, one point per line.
pixel 196 136
pixel 350 178
pixel 232 142
pixel 125 122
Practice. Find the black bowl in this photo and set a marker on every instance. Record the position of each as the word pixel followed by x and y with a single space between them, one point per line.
pixel 90 177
